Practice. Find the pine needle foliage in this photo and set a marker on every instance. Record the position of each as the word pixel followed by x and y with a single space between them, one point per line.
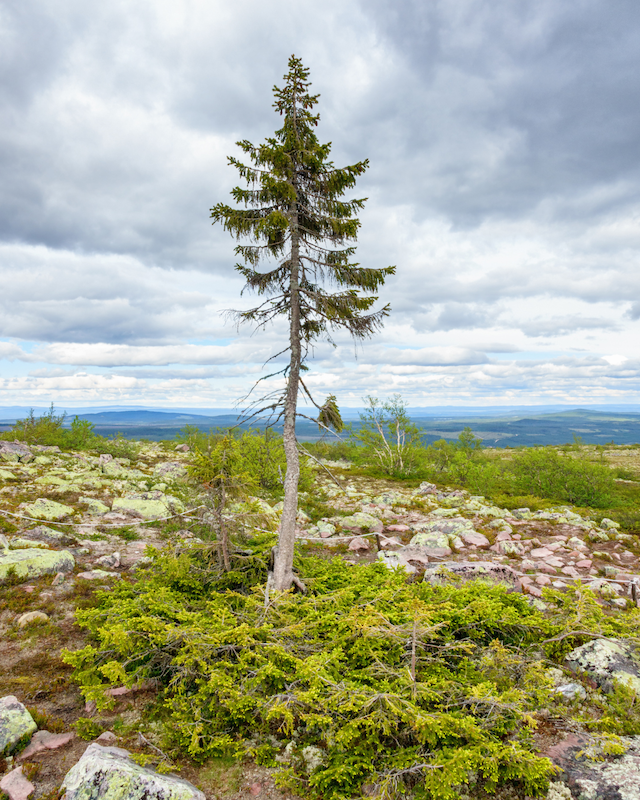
pixel 367 685
pixel 297 251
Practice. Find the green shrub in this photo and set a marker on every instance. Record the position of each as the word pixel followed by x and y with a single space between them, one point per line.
pixel 402 686
pixel 259 457
pixel 46 429
pixel 546 473
pixel 388 438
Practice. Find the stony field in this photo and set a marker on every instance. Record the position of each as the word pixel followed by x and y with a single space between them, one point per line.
pixel 75 522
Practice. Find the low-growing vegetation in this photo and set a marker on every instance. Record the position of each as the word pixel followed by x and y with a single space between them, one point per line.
pixel 373 682
pixel 49 429
pixel 369 680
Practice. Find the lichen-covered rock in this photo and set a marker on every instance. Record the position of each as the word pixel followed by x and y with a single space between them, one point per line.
pixel 427 488
pixel 94 506
pixel 32 563
pixel 391 499
pixel 16 724
pixel 15 452
pixel 7 475
pixel 148 505
pixel 18 543
pixel 61 484
pixel 107 773
pixel 393 560
pixel 98 575
pixel 606 661
pixel 608 524
pixel 431 539
pixel 41 533
pixel 325 528
pixel 47 509
pixel 588 773
pixel 444 533
pixel 363 521
pixel 170 470
pixel 471 571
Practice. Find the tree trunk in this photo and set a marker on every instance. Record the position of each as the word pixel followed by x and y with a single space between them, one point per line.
pixel 283 576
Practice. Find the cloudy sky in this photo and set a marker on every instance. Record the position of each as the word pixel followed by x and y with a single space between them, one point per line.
pixel 504 141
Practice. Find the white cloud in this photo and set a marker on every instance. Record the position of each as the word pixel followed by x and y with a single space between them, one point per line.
pixel 504 184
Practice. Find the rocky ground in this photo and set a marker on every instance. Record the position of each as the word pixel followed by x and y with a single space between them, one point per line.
pixel 74 522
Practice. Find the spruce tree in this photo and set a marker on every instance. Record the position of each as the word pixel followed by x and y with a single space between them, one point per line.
pixel 300 235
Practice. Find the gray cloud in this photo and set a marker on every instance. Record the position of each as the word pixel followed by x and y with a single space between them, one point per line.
pixel 504 183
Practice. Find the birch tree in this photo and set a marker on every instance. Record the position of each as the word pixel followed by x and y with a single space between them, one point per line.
pixel 297 235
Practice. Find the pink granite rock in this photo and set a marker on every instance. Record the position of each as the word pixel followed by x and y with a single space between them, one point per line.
pixel 541 552
pixel 16 786
pixel 534 590
pixel 398 528
pixel 543 580
pixel 547 569
pixel 44 740
pixel 107 737
pixel 359 543
pixel 584 564
pixel 503 536
pixel 572 572
pixel 554 561
pixel 474 538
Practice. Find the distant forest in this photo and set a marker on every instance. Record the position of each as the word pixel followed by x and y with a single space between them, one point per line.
pixel 496 430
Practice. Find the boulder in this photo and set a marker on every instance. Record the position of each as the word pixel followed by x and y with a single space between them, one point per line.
pixel 18 543
pixel 393 560
pixel 589 774
pixel 443 533
pixel 98 575
pixel 113 469
pixel 148 505
pixel 427 488
pixel 44 740
pixel 95 507
pixel 108 773
pixel 61 484
pixel 33 563
pixel 15 452
pixel 471 571
pixel 359 543
pixel 30 617
pixel 6 475
pixel 47 509
pixel 16 786
pixel 42 533
pixel 16 724
pixel 170 470
pixel 606 661
pixel 362 521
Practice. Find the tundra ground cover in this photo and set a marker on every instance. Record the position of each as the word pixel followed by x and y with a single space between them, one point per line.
pixel 376 681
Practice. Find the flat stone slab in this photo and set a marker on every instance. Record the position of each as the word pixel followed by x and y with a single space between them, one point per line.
pixel 42 533
pixel 109 774
pixel 98 575
pixel 47 509
pixel 16 786
pixel 16 723
pixel 45 740
pixel 471 571
pixel 606 661
pixel 33 562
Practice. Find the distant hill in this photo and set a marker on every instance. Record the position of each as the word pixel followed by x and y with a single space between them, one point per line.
pixel 515 427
